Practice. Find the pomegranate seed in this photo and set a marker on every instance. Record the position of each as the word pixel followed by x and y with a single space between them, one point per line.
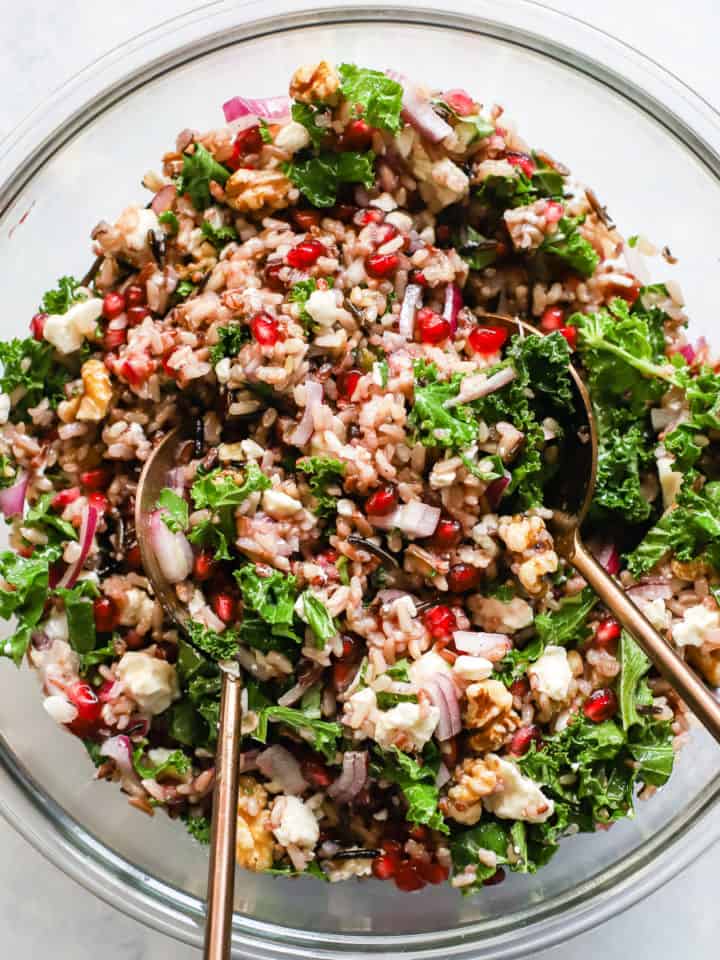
pixel 523 161
pixel 495 879
pixel 554 211
pixel 98 479
pixel 607 633
pixel 133 557
pixel 385 866
pixel 347 383
pixel 37 325
pixel 103 693
pixel 357 135
pixel 448 534
pixel 223 605
pixel 84 699
pixel 392 847
pixel 114 338
pixel 552 319
pixel 113 305
pixel 432 872
pixel 460 101
pixel 381 265
pixel 316 773
pixel 487 340
pixel 600 706
pixel 204 565
pixel 348 647
pixel 462 577
pixel 371 216
pixel 99 501
pixel 106 615
pixel 272 274
pixel 65 497
pixel 135 295
pixel 418 277
pixel 419 832
pixel 306 219
pixel 386 231
pixel 631 293
pixel 305 254
pixel 247 141
pixel 520 688
pixel 265 329
pixel 570 334
pixel 522 738
pixel 408 879
pixel 382 502
pixel 136 315
pixel 431 326
pixel 137 369
pixel 440 622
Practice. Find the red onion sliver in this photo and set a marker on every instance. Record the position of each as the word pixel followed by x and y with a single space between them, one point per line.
pixel 248 761
pixel 443 775
pixel 688 351
pixel 119 749
pixel 279 764
pixel 418 111
pixel 90 517
pixel 492 646
pixel 164 199
pixel 607 556
pixel 495 491
pixel 416 519
pixel 172 550
pixel 444 696
pixel 650 591
pixel 12 499
pixel 453 305
pixel 352 778
pixel 413 293
pixel 270 108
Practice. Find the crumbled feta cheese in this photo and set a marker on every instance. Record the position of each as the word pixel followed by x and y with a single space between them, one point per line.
pixel 251 449
pixel 292 137
pixel 418 724
pixel 690 632
pixel 67 331
pixel 322 307
pixel 136 606
pixel 56 626
pixel 151 682
pixel 518 797
pixel 551 673
pixel 279 505
pixel 472 668
pixel 670 480
pixel 60 709
pixel 4 407
pixel 427 668
pixel 159 755
pixel 222 370
pixel 297 824
pixel 656 612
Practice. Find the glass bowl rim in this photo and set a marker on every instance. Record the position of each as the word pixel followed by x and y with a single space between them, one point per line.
pixel 639 79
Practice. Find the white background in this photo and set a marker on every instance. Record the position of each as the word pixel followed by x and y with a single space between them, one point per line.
pixel 42 913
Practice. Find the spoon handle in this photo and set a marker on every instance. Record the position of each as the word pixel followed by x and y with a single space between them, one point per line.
pixel 221 871
pixel 692 690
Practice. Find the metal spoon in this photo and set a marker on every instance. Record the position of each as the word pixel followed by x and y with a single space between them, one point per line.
pixel 569 497
pixel 221 869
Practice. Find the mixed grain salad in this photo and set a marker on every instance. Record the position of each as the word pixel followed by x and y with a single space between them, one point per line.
pixel 357 512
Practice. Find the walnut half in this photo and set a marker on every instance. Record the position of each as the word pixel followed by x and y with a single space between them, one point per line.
pixel 489 714
pixel 315 84
pixel 252 190
pixel 254 844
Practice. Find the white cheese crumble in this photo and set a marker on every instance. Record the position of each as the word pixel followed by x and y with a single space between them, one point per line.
pixel 655 611
pixel 67 331
pixel 425 669
pixel 690 632
pixel 292 137
pixel 151 682
pixel 472 668
pixel 518 797
pixel 551 673
pixel 417 724
pixel 298 826
pixel 279 505
pixel 60 709
pixel 4 407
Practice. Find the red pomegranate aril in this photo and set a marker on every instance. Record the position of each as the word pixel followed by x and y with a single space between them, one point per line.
pixel 431 326
pixel 386 231
pixel 136 315
pixel 371 216
pixel 103 691
pixel 522 738
pixel 306 219
pixel 204 565
pixel 63 498
pixel 37 325
pixel 520 688
pixel 432 872
pixel 570 334
pixel 272 275
pixel 462 577
pixel 357 135
pixel 114 338
pixel 418 277
pixel 382 502
pixel 601 705
pixel 440 622
pixel 113 305
pixel 607 633
pixel 223 605
pixel 305 254
pixel 487 340
pixel 495 879
pixel 385 866
pixel 343 672
pixel 381 265
pixel 99 501
pixel 316 773
pixel 554 211
pixel 523 161
pixel 97 479
pixel 135 295
pixel 348 647
pixel 460 101
pixel 552 319
pixel 448 534
pixel 265 329
pixel 419 832
pixel 106 614
pixel 629 293
pixel 392 847
pixel 133 557
pixel 347 383
pixel 84 699
pixel 408 879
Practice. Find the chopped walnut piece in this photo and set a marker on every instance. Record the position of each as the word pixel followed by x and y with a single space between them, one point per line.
pixel 489 714
pixel 531 546
pixel 97 391
pixel 315 84
pixel 473 780
pixel 252 190
pixel 254 845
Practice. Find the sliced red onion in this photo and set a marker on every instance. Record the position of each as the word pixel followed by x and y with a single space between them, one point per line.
pixel 688 351
pixel 269 108
pixel 494 493
pixel 416 519
pixel 248 760
pixel 453 305
pixel 479 385
pixel 119 749
pixel 90 517
pixel 443 775
pixel 492 646
pixel 411 300
pixel 172 550
pixel 41 641
pixel 164 199
pixel 176 480
pixel 650 591
pixel 280 765
pixel 444 697
pixel 12 499
pixel 313 400
pixel 352 778
pixel 607 556
pixel 418 111
pixel 295 692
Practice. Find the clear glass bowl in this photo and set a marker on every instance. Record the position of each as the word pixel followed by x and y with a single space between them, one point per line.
pixel 649 147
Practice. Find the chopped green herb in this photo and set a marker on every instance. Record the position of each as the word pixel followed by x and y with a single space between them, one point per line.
pixel 199 169
pixel 323 472
pixel 319 620
pixel 325 734
pixel 175 510
pixel 31 368
pixel 169 219
pixel 378 95
pixel 568 244
pixel 231 341
pixel 318 178
pixel 218 236
pixel 60 299
pixel 417 784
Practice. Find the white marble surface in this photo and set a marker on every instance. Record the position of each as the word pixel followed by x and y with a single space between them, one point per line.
pixel 42 913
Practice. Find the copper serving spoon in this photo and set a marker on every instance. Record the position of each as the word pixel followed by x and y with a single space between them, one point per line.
pixel 570 497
